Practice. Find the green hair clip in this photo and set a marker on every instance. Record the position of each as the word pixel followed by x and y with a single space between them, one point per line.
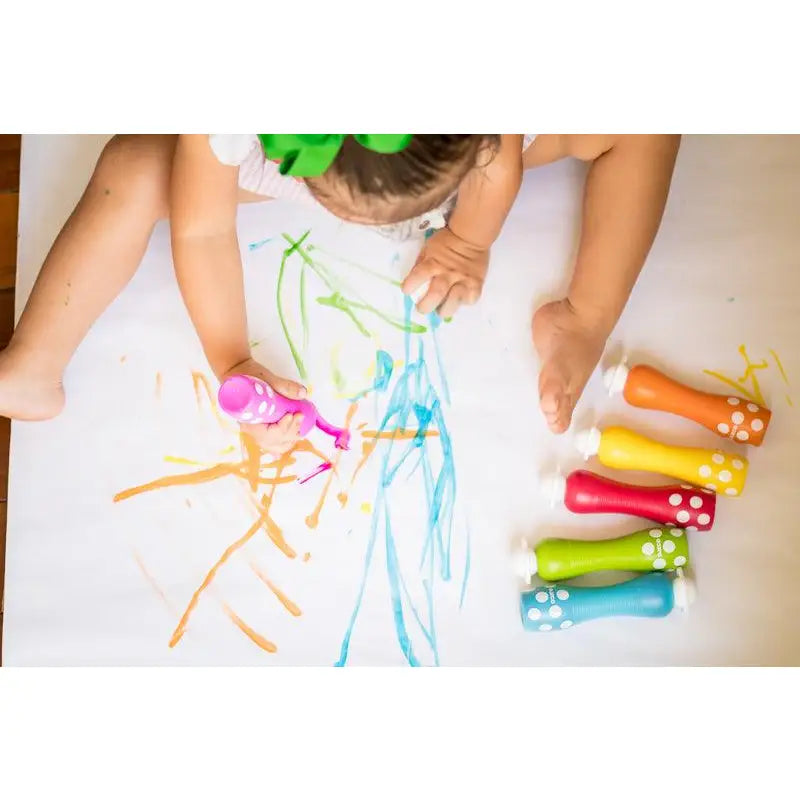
pixel 308 155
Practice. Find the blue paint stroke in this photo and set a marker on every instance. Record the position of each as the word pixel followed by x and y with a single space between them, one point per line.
pixel 256 245
pixel 384 366
pixel 383 371
pixel 467 564
pixel 413 395
pixel 435 321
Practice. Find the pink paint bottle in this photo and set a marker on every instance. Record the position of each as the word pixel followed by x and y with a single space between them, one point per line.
pixel 252 401
pixel 676 505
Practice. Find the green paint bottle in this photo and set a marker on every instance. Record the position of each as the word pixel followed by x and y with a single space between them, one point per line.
pixel 648 550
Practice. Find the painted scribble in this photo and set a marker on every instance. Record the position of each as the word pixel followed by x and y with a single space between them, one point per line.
pixel 747 384
pixel 408 436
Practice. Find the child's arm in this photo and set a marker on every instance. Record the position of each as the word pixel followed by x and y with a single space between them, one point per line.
pixel 205 249
pixel 624 199
pixel 455 258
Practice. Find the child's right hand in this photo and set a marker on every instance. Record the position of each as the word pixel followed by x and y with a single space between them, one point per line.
pixel 279 438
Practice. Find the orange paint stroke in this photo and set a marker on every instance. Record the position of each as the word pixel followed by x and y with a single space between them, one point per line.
pixel 342 498
pixel 264 644
pixel 306 556
pixel 228 552
pixel 152 581
pixel 159 383
pixel 194 478
pixel 122 359
pixel 396 434
pixel 288 604
pixel 361 426
pixel 312 520
pixel 200 381
pixel 367 449
pixel 253 460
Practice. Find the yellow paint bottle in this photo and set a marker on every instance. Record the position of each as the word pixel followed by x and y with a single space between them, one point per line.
pixel 620 448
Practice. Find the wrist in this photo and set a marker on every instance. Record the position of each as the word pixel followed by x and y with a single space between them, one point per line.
pixel 467 238
pixel 224 367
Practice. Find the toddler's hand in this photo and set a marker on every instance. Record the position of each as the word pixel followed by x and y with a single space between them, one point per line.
pixel 279 438
pixel 456 270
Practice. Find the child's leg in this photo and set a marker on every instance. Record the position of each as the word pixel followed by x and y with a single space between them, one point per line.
pixel 91 261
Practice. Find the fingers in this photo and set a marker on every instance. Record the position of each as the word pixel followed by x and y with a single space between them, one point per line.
pixel 437 292
pixel 290 389
pixel 420 274
pixel 279 438
pixel 459 295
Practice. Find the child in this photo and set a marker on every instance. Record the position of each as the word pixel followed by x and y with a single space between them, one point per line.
pixel 463 184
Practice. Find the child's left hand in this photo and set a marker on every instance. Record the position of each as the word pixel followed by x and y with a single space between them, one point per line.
pixel 456 270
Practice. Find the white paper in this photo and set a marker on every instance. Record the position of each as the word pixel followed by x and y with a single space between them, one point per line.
pixel 91 581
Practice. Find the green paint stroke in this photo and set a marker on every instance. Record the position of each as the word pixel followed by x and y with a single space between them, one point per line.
pixel 294 247
pixel 342 304
pixel 336 299
pixel 336 373
pixel 303 307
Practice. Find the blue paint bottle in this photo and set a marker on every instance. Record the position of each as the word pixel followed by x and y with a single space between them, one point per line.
pixel 558 606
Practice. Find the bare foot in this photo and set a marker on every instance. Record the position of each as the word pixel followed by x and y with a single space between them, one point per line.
pixel 25 393
pixel 569 348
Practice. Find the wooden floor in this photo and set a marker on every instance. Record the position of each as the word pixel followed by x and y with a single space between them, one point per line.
pixel 9 202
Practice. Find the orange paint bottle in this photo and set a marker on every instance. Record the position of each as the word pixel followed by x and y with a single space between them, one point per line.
pixel 726 415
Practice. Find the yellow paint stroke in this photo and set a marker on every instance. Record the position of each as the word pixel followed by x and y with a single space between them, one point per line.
pixel 287 603
pixel 732 384
pixel 780 367
pixel 397 434
pixel 306 556
pixel 159 383
pixel 180 460
pixel 227 553
pixel 312 520
pixel 342 498
pixel 254 636
pixel 229 449
pixel 361 426
pixel 152 581
pixel 750 373
pixel 366 508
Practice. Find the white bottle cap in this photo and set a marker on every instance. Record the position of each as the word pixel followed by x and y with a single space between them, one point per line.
pixel 684 591
pixel 525 565
pixel 553 488
pixel 614 378
pixel 588 442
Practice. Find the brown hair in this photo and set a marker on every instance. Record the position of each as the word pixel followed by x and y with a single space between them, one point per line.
pixel 429 161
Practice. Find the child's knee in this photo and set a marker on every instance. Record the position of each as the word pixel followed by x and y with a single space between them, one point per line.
pixel 137 169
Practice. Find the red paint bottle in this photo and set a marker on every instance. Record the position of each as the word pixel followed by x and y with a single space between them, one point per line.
pixel 677 505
